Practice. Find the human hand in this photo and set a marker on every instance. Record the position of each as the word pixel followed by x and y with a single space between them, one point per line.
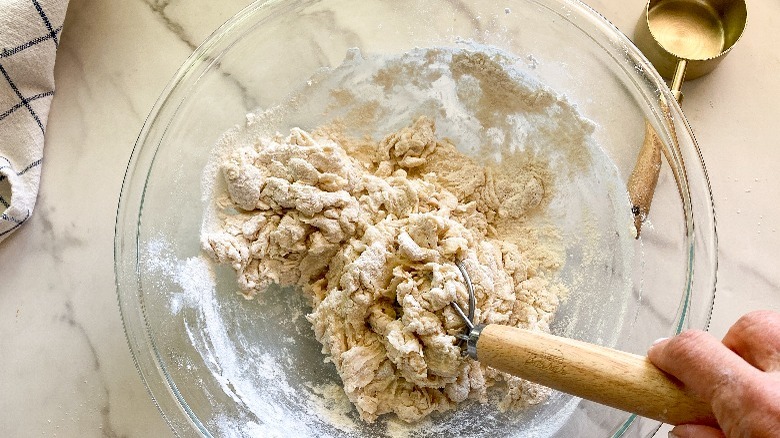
pixel 739 377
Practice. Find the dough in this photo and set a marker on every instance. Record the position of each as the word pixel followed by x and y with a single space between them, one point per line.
pixel 370 231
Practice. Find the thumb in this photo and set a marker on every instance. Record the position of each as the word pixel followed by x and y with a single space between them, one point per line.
pixel 703 364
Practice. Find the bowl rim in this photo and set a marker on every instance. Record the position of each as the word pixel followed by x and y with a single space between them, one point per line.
pixel 169 100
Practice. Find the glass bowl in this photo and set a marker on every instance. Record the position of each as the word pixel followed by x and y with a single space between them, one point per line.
pixel 217 365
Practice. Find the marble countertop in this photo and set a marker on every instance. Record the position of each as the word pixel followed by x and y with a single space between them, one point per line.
pixel 65 369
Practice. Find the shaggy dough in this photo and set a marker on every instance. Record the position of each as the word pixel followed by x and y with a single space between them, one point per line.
pixel 371 233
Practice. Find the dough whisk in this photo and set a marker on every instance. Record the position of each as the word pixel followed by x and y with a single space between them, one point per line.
pixel 611 377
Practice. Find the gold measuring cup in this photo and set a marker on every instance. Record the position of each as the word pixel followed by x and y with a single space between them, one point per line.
pixel 689 37
pixel 680 38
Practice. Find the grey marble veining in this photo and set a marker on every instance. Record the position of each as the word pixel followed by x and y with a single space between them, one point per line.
pixel 158 7
pixel 171 22
pixel 65 368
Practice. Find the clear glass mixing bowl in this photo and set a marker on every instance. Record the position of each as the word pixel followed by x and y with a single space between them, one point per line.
pixel 216 365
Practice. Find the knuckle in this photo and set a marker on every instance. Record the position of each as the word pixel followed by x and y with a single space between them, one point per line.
pixel 754 319
pixel 686 343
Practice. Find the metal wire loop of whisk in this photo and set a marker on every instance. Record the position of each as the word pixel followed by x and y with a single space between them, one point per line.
pixel 467 319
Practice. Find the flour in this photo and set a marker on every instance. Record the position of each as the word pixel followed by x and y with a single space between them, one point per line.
pixel 400 166
pixel 373 243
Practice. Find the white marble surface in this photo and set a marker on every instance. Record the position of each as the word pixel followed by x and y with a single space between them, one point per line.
pixel 65 369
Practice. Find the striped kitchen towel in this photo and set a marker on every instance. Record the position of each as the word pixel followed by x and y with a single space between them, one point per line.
pixel 29 37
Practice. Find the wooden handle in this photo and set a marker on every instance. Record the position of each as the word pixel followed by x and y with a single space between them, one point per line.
pixel 614 378
pixel 644 177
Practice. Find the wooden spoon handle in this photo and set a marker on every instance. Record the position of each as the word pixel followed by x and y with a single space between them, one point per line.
pixel 614 378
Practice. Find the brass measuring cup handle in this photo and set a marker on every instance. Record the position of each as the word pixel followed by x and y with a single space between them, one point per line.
pixel 677 80
pixel 679 37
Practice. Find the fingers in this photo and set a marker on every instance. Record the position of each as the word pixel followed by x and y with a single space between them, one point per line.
pixel 702 363
pixel 729 375
pixel 756 337
pixel 695 431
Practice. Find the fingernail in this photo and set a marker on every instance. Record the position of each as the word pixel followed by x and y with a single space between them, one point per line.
pixel 671 432
pixel 656 342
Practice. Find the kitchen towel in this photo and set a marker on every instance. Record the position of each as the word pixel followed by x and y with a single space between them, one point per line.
pixel 29 36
